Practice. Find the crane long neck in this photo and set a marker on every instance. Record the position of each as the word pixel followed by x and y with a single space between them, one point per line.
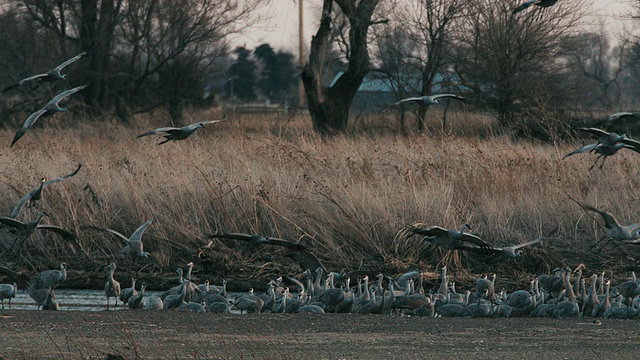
pixel 601 288
pixel 285 295
pixel 572 294
pixel 443 285
pixel 576 283
pixel 366 289
pixel 63 271
pixel 189 270
pixel 183 292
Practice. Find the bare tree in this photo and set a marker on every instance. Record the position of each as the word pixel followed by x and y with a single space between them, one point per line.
pixel 632 56
pixel 600 64
pixel 174 43
pixel 329 106
pixel 510 58
pixel 144 53
pixel 417 40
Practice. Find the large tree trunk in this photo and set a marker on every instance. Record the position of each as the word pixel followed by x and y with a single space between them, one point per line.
pixel 97 33
pixel 329 107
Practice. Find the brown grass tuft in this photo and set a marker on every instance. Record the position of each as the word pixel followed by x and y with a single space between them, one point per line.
pixel 345 197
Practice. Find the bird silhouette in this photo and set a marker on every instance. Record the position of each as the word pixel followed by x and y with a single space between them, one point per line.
pixel 112 287
pixel 36 194
pixel 133 244
pixel 608 144
pixel 181 133
pixel 53 106
pixel 23 230
pixel 450 239
pixel 50 76
pixel 629 234
pixel 541 3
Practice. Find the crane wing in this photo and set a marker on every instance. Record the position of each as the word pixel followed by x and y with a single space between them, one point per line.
pixel 306 260
pixel 11 222
pixel 16 209
pixel 122 237
pixel 523 6
pixel 409 99
pixel 430 231
pixel 250 238
pixel 137 235
pixel 606 216
pixel 288 280
pixel 66 94
pixel 70 61
pixel 287 244
pixel 582 149
pixel 26 125
pixel 470 238
pixel 53 181
pixel 159 130
pixel 516 247
pixel 20 279
pixel 24 81
pixel 209 122
pixel 450 96
pixel 67 235
pixel 594 131
pixel 634 144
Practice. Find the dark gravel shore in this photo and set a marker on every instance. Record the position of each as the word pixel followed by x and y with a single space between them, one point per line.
pixel 184 335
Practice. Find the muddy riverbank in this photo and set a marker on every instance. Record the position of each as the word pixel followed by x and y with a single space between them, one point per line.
pixel 183 335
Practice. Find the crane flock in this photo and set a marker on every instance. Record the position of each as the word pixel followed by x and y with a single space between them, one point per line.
pixel 319 290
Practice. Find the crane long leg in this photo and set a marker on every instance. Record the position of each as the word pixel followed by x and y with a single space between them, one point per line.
pixel 595 162
pixel 602 163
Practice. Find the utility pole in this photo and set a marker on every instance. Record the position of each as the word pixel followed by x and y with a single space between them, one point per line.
pixel 301 92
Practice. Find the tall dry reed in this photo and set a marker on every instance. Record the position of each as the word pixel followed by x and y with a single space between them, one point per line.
pixel 345 197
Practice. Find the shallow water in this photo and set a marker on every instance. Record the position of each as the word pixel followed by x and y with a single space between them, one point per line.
pixel 76 300
pixel 71 300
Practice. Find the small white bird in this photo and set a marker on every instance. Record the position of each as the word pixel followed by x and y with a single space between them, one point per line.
pixel 7 291
pixel 50 76
pixel 500 254
pixel 134 246
pixel 428 100
pixel 181 133
pixel 50 108
pixel 36 194
pixel 613 228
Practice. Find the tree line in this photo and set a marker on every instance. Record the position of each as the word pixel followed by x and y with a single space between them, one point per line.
pixel 147 54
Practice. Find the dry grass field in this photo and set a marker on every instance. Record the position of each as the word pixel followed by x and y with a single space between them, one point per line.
pixel 346 197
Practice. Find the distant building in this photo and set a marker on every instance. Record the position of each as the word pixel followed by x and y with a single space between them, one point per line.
pixel 378 91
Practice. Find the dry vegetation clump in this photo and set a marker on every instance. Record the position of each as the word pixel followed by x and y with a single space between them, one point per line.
pixel 346 197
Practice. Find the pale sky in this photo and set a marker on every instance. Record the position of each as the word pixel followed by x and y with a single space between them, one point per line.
pixel 281 31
